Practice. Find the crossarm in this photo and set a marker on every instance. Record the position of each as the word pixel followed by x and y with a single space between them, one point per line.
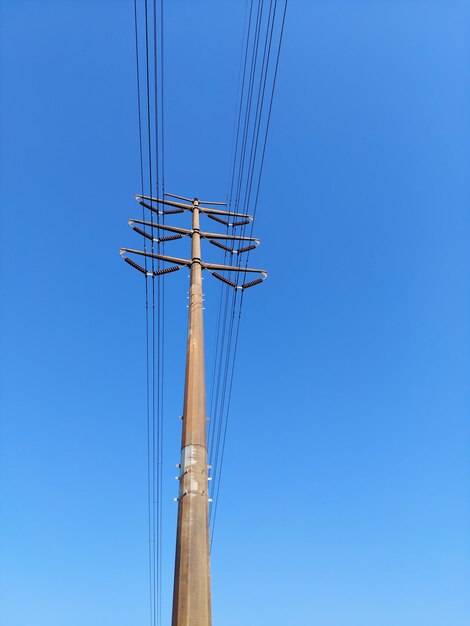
pixel 173 229
pixel 173 195
pixel 189 207
pixel 229 213
pixel 179 205
pixel 161 257
pixel 233 268
pixel 231 237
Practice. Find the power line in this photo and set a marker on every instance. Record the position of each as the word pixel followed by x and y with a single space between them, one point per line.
pixel 161 309
pixel 153 128
pixel 223 308
pixel 247 179
pixel 219 477
pixel 251 126
pixel 243 114
pixel 147 338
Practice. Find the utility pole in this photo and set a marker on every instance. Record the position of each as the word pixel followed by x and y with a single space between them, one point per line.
pixel 192 589
pixel 192 592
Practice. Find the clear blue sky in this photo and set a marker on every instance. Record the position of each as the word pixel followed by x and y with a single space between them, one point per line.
pixel 345 498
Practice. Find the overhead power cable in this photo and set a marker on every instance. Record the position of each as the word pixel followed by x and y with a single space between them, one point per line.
pixel 257 79
pixel 263 35
pixel 148 26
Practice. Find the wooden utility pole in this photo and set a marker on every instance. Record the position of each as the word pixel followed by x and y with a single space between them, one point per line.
pixel 192 589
